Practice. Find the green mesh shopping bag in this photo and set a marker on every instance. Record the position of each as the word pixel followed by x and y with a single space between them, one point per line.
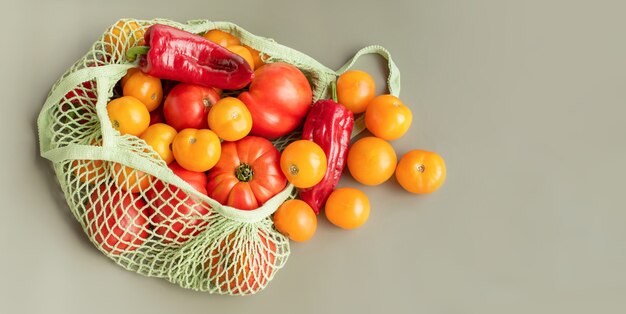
pixel 132 207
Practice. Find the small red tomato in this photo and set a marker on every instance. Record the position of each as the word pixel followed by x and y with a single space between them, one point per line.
pixel 156 116
pixel 187 106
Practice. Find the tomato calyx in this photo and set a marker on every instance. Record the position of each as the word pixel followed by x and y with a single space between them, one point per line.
pixel 420 168
pixel 293 170
pixel 244 172
pixel 206 101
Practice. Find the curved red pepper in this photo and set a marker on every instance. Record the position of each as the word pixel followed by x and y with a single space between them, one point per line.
pixel 329 125
pixel 185 57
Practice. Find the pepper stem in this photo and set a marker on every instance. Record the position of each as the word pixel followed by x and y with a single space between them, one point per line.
pixel 333 90
pixel 244 172
pixel 133 52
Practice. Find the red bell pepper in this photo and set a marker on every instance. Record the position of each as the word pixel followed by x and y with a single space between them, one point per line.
pixel 328 124
pixel 178 55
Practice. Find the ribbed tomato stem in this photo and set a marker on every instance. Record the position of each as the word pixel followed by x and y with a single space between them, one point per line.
pixel 244 172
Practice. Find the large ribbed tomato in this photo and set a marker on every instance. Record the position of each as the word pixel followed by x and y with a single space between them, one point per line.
pixel 247 174
pixel 278 99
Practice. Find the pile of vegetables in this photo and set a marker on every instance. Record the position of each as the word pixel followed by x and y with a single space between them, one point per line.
pixel 210 108
pixel 188 155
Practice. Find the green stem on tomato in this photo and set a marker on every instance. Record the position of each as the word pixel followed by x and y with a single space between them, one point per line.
pixel 244 172
pixel 133 52
pixel 333 90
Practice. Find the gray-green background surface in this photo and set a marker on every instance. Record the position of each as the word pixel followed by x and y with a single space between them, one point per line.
pixel 524 99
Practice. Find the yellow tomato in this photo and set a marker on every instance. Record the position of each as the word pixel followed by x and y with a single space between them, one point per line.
pixel 347 208
pixel 256 57
pixel 160 137
pixel 89 170
pixel 230 119
pixel 296 220
pixel 222 38
pixel 196 150
pixel 242 52
pixel 146 88
pixel 129 73
pixel 304 163
pixel 387 117
pixel 128 115
pixel 421 172
pixel 130 179
pixel 371 160
pixel 122 36
pixel 355 89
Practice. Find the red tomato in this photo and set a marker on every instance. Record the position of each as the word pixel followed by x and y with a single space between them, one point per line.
pixel 84 90
pixel 117 221
pixel 192 177
pixel 247 174
pixel 278 99
pixel 171 208
pixel 156 116
pixel 187 106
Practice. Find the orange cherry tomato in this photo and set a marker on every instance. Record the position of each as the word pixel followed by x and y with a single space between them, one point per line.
pixel 256 57
pixel 160 137
pixel 355 89
pixel 88 171
pixel 296 220
pixel 196 150
pixel 371 161
pixel 128 115
pixel 230 119
pixel 222 38
pixel 146 88
pixel 421 172
pixel 347 208
pixel 387 117
pixel 129 73
pixel 242 52
pixel 122 36
pixel 129 179
pixel 304 163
